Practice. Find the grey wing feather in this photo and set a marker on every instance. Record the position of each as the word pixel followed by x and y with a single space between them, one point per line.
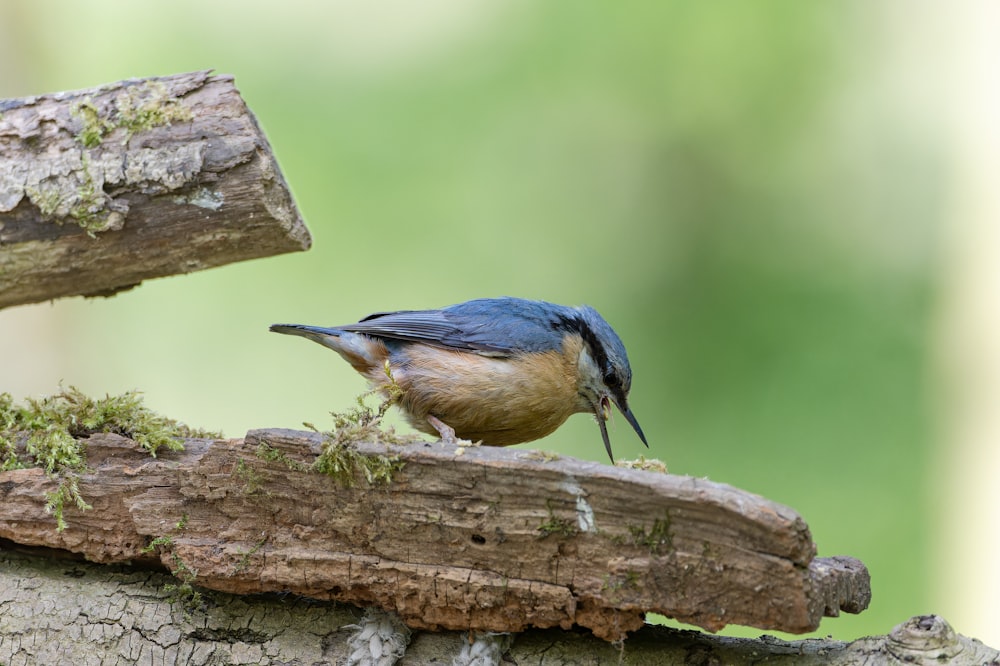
pixel 487 326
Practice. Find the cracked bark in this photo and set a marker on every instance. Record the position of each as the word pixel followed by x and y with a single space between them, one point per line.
pixel 61 612
pixel 103 188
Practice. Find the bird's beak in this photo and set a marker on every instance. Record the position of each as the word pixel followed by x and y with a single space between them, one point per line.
pixel 603 411
pixel 630 417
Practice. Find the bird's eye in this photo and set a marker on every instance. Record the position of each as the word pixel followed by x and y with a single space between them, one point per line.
pixel 611 380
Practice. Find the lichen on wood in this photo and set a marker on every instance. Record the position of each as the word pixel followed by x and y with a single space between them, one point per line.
pixel 173 169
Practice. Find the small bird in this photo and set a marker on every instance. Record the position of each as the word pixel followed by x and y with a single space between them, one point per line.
pixel 497 370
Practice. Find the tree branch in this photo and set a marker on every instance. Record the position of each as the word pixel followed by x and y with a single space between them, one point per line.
pixel 103 188
pixel 481 538
pixel 58 611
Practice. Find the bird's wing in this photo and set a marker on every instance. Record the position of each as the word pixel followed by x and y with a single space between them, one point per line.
pixel 501 326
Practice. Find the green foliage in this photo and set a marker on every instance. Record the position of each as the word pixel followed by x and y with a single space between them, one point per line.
pixel 53 431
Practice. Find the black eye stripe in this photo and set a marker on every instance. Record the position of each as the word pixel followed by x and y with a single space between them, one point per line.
pixel 600 356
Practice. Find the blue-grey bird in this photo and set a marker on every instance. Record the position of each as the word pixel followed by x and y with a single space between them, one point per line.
pixel 498 370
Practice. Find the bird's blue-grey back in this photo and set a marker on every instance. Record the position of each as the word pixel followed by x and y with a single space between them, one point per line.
pixel 496 326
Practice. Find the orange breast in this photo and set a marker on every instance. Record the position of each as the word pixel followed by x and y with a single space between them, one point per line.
pixel 498 401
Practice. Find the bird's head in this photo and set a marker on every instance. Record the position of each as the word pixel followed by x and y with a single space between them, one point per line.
pixel 605 376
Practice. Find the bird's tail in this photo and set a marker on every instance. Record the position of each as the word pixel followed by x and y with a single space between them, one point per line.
pixel 362 352
pixel 316 333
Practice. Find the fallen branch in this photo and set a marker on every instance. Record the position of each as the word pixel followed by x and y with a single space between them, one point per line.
pixel 103 188
pixel 479 538
pixel 59 611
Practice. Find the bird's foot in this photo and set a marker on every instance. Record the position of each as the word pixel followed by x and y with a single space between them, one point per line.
pixel 446 431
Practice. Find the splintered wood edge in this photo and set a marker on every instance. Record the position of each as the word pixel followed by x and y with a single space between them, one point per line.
pixel 172 170
pixel 454 538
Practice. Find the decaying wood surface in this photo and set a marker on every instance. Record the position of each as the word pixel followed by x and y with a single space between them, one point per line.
pixel 479 538
pixel 62 612
pixel 103 188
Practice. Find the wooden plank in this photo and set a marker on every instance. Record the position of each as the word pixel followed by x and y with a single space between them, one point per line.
pixel 101 189
pixel 477 538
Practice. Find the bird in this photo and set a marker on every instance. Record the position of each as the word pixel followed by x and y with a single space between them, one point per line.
pixel 499 371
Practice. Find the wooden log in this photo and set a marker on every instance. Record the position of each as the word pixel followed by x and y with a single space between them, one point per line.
pixel 59 611
pixel 448 537
pixel 103 188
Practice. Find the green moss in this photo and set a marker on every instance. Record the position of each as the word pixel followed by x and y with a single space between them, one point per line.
pixel 89 211
pixel 650 465
pixel 267 452
pixel 616 583
pixel 542 456
pixel 136 109
pixel 184 592
pixel 340 459
pixel 47 201
pixel 245 556
pixel 556 525
pixel 8 451
pixel 70 415
pixel 52 434
pixel 143 107
pixel 248 476
pixel 656 539
pixel 94 127
pixel 345 464
pixel 67 490
pixel 165 541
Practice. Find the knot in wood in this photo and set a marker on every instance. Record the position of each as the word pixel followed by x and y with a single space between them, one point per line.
pixel 924 637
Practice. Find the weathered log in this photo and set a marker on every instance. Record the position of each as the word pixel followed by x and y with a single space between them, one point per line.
pixel 479 538
pixel 63 613
pixel 103 188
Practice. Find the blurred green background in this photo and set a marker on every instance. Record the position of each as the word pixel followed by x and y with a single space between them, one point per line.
pixel 750 193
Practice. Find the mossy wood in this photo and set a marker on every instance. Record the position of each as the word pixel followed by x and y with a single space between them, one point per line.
pixel 103 188
pixel 447 537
